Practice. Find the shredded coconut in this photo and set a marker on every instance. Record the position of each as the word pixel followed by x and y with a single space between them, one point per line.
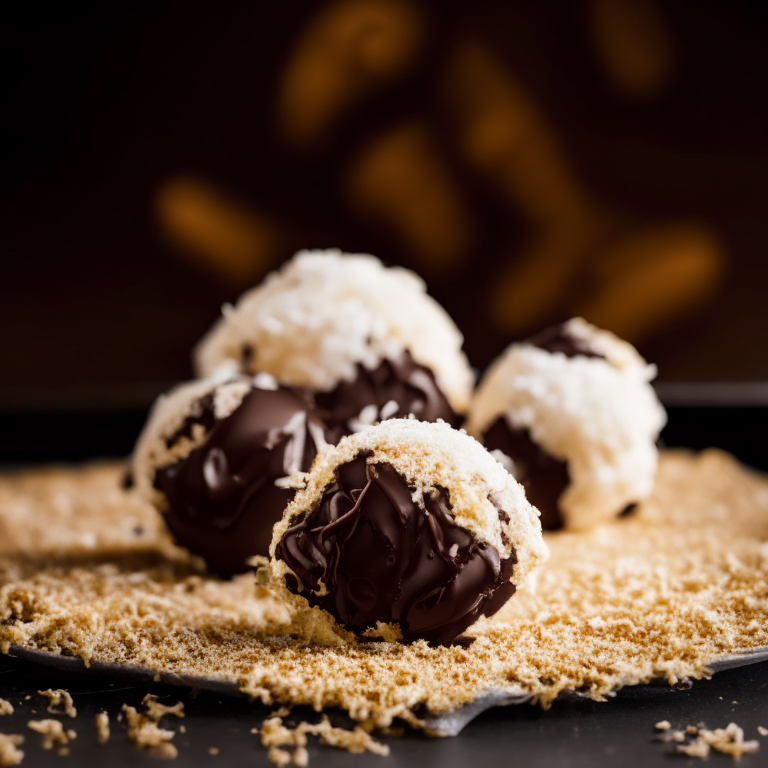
pixel 311 323
pixel 679 584
pixel 6 708
pixel 10 754
pixel 601 419
pixel 59 702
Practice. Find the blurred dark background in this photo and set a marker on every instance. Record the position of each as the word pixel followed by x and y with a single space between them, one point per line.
pixel 530 160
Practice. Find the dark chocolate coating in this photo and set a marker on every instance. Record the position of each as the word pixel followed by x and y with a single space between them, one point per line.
pixel 557 339
pixel 382 558
pixel 410 385
pixel 222 502
pixel 543 476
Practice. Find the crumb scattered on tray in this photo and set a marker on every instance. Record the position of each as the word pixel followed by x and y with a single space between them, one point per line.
pixel 661 593
pixel 6 708
pixel 101 721
pixel 762 731
pixel 698 741
pixel 288 746
pixel 663 725
pixel 213 750
pixel 156 710
pixel 53 734
pixel 59 702
pixel 10 754
pixel 146 733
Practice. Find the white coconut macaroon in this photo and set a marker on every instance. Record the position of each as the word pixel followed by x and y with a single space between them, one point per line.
pixel 406 530
pixel 367 339
pixel 211 459
pixel 572 414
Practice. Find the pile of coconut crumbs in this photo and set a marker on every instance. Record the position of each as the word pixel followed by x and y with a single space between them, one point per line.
pixel 664 592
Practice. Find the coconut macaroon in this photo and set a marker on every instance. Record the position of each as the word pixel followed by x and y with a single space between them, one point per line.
pixel 406 530
pixel 571 413
pixel 367 339
pixel 211 459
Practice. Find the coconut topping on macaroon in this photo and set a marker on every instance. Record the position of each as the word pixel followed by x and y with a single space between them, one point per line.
pixel 405 531
pixel 368 340
pixel 571 413
pixel 213 457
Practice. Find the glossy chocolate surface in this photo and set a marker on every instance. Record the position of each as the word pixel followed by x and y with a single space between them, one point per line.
pixel 557 339
pixel 411 386
pixel 543 476
pixel 222 502
pixel 382 558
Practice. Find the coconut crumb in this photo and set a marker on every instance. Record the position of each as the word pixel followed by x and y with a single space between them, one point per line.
pixel 53 734
pixel 102 727
pixel 6 708
pixel 698 741
pixel 59 702
pixel 287 746
pixel 156 710
pixel 146 734
pixel 697 748
pixel 10 754
pixel 663 725
pixel 762 731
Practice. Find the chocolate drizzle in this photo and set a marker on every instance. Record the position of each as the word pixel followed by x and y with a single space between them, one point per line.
pixel 543 476
pixel 557 339
pixel 410 388
pixel 384 558
pixel 222 501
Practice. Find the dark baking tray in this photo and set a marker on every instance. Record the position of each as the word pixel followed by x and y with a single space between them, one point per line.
pixel 732 416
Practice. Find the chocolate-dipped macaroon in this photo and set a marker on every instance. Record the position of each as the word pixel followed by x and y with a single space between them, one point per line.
pixel 572 414
pixel 405 531
pixel 367 341
pixel 212 458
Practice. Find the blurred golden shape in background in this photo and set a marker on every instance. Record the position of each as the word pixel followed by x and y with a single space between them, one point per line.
pixel 502 133
pixel 579 257
pixel 215 231
pixel 633 42
pixel 644 280
pixel 650 280
pixel 535 281
pixel 349 47
pixel 400 179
